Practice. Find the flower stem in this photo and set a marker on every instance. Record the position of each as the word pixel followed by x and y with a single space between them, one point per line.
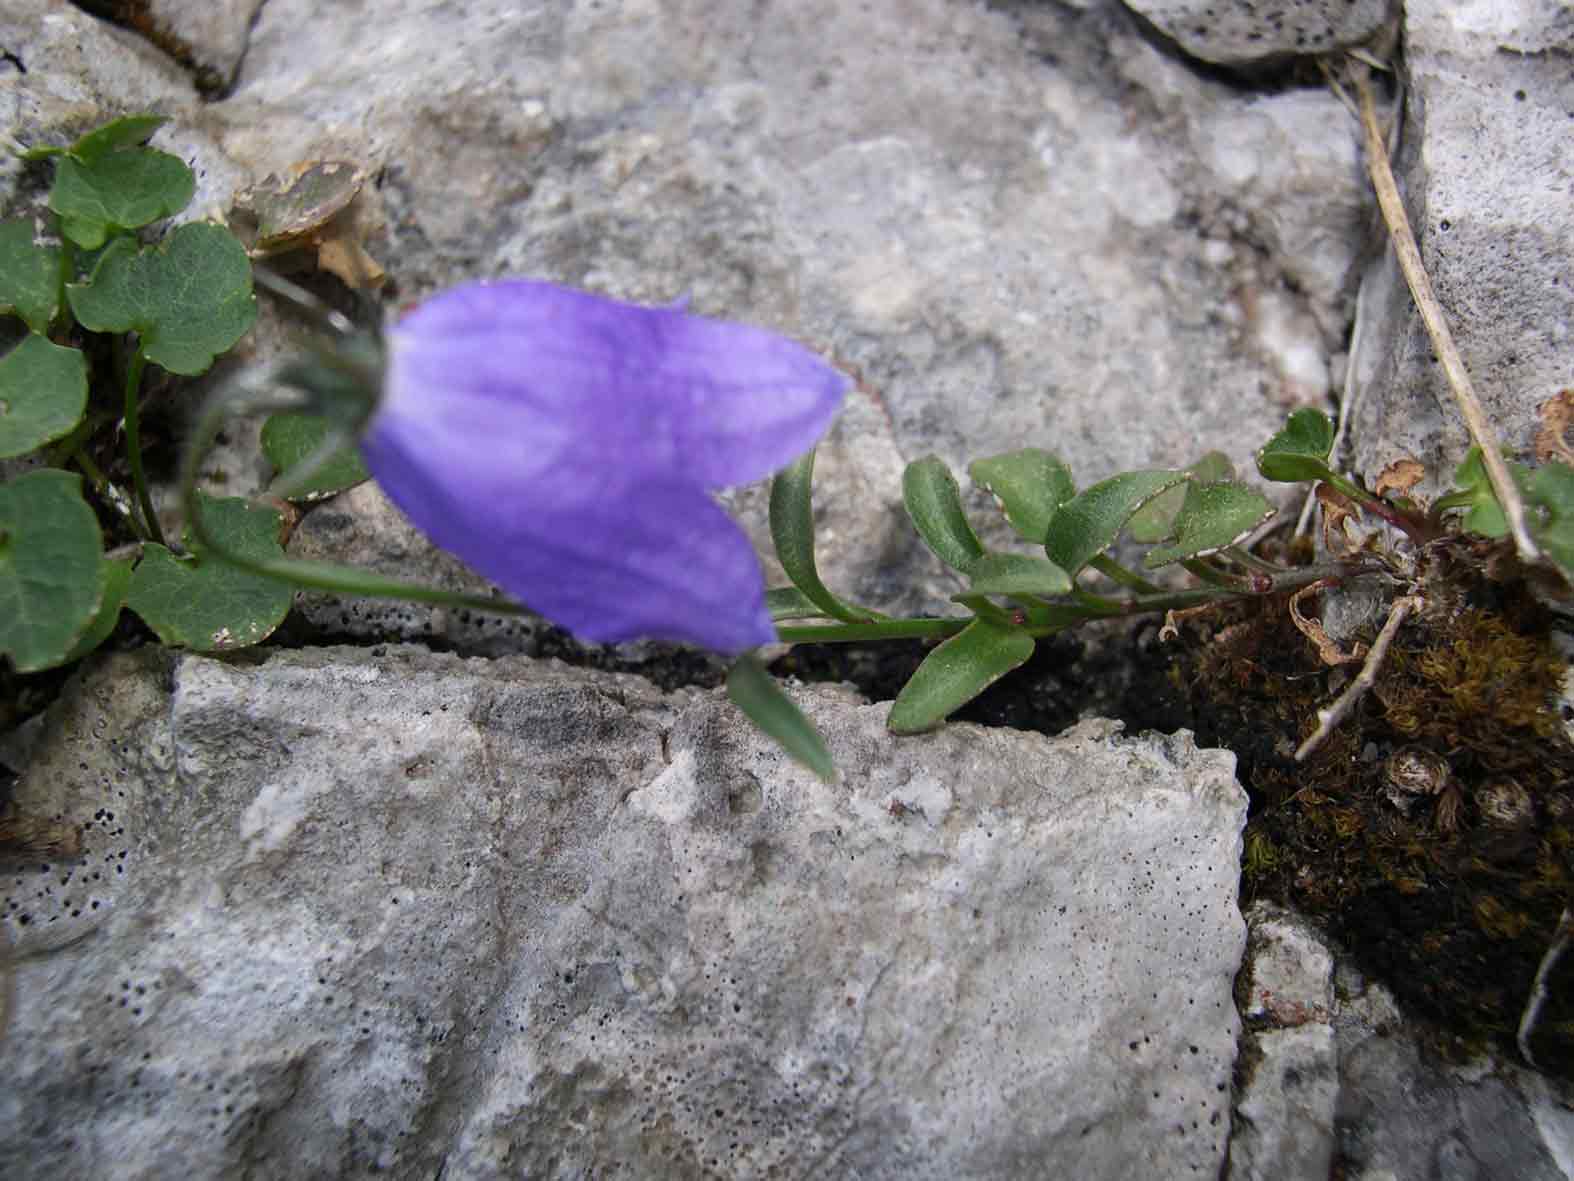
pixel 133 421
pixel 882 629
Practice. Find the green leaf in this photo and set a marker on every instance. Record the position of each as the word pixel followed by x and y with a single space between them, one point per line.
pixel 117 580
pixel 290 439
pixel 788 602
pixel 1473 493
pixel 1212 517
pixel 756 693
pixel 204 603
pixel 43 392
pixel 1089 522
pixel 1016 574
pixel 792 532
pixel 1155 521
pixel 190 297
pixel 1029 486
pixel 127 132
pixel 51 567
pixel 956 672
pixel 934 502
pixel 1550 489
pixel 32 277
pixel 1300 451
pixel 117 191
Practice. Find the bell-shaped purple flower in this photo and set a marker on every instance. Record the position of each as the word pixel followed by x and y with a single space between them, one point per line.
pixel 566 445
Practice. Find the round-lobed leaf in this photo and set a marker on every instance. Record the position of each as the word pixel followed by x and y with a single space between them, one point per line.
pixel 1155 521
pixel 934 502
pixel 956 672
pixel 1029 485
pixel 1299 452
pixel 128 131
pixel 190 297
pixel 117 580
pixel 1089 522
pixel 290 439
pixel 43 392
pixel 1213 516
pixel 52 569
pixel 204 603
pixel 32 277
pixel 116 191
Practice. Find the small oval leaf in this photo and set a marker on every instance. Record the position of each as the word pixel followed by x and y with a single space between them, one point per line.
pixel 756 693
pixel 934 502
pixel 1017 574
pixel 51 567
pixel 1089 522
pixel 32 277
pixel 1213 516
pixel 1029 486
pixel 1300 451
pixel 43 392
pixel 117 191
pixel 956 672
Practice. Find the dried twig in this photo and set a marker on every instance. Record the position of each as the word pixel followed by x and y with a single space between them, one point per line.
pixel 1329 719
pixel 1409 256
pixel 1538 990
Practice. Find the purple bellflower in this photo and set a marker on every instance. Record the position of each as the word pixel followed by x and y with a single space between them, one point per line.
pixel 566 446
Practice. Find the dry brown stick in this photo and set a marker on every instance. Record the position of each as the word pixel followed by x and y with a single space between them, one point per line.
pixel 1329 719
pixel 1409 255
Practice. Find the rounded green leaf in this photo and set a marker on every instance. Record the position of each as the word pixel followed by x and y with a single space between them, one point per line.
pixel 1155 521
pixel 51 568
pixel 190 297
pixel 956 672
pixel 934 502
pixel 1300 451
pixel 1089 522
pixel 756 693
pixel 290 439
pixel 116 191
pixel 117 580
pixel 1029 486
pixel 32 277
pixel 1213 516
pixel 1550 490
pixel 129 131
pixel 1017 574
pixel 204 603
pixel 43 392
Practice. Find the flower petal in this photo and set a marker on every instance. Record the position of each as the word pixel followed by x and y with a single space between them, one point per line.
pixel 609 556
pixel 578 376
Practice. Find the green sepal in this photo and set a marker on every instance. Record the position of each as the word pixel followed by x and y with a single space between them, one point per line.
pixel 1155 521
pixel 956 672
pixel 290 439
pixel 792 532
pixel 43 392
pixel 51 568
pixel 1029 485
pixel 1299 452
pixel 1016 574
pixel 934 502
pixel 754 691
pixel 1089 522
pixel 32 277
pixel 1212 517
pixel 190 298
pixel 117 191
pixel 202 602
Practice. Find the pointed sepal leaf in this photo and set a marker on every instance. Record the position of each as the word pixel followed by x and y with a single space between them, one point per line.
pixel 115 191
pixel 1212 517
pixel 754 691
pixel 43 392
pixel 1089 522
pixel 956 672
pixel 288 440
pixel 1155 521
pixel 190 297
pixel 934 502
pixel 1016 574
pixel 1029 485
pixel 51 568
pixel 792 533
pixel 32 277
pixel 204 603
pixel 1300 451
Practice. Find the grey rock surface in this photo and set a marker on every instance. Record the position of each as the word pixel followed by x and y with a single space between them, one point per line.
pixel 1263 31
pixel 343 912
pixel 1485 170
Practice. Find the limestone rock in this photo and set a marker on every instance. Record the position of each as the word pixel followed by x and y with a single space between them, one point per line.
pixel 1259 31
